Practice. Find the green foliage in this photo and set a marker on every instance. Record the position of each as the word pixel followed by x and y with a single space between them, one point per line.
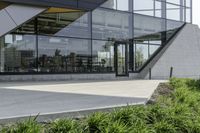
pixel 178 112
pixel 63 126
pixel 97 122
pixel 116 127
pixel 29 126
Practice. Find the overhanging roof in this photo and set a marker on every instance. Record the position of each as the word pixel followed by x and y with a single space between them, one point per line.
pixel 80 4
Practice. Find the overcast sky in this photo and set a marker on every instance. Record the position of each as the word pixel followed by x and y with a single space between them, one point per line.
pixel 196 12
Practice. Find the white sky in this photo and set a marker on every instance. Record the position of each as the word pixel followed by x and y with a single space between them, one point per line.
pixel 196 12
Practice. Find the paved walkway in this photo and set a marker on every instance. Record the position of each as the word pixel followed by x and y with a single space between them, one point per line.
pixel 31 98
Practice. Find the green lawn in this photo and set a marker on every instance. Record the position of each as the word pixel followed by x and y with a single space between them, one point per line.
pixel 178 111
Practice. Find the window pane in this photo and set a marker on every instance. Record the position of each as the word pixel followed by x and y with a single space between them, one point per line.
pixel 148 31
pixel 122 5
pixel 110 4
pixel 152 49
pixel 141 55
pixel 173 12
pixel 64 54
pixel 145 7
pixel 188 15
pixel 111 24
pixel 60 24
pixel 158 9
pixel 188 3
pixel 78 28
pixel 18 53
pixel 172 27
pixel 103 56
pixel 174 1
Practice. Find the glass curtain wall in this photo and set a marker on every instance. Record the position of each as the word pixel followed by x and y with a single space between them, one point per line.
pixel 83 42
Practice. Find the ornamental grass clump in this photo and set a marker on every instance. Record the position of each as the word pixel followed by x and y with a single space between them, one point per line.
pixel 96 123
pixel 63 126
pixel 29 126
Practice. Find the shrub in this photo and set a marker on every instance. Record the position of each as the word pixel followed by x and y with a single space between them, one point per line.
pixel 97 122
pixel 29 126
pixel 63 126
pixel 164 127
pixel 123 116
pixel 177 83
pixel 116 127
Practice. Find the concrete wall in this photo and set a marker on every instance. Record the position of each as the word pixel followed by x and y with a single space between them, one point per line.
pixel 182 53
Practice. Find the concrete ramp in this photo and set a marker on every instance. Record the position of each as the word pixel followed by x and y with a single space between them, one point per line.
pixel 15 15
pixel 181 53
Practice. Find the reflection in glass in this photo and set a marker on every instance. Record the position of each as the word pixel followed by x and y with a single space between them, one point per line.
pixel 145 7
pixel 54 23
pixel 174 1
pixel 111 24
pixel 173 12
pixel 188 15
pixel 18 53
pixel 64 54
pixel 122 5
pixel 152 49
pixel 103 56
pixel 78 28
pixel 172 27
pixel 188 3
pixel 158 9
pixel 148 31
pixel 121 59
pixel 141 55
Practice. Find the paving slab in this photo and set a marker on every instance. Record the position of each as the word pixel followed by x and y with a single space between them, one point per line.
pixel 32 98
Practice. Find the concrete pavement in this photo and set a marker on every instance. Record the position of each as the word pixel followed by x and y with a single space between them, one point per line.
pixel 49 98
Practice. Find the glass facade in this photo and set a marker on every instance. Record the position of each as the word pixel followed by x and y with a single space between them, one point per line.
pixel 85 42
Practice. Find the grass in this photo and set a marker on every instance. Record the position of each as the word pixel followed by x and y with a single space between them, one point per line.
pixel 177 112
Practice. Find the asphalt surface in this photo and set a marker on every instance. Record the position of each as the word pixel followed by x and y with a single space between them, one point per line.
pixel 18 100
pixel 16 103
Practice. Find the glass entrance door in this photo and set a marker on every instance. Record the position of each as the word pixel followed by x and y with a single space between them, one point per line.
pixel 121 63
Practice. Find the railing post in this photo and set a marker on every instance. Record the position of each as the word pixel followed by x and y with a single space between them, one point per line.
pixel 171 72
pixel 149 73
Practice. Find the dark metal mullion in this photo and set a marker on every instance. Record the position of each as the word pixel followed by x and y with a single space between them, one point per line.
pixel 37 47
pixel 154 8
pixel 131 21
pixel 133 40
pixel 135 54
pixel 148 50
pixel 116 58
pixel 126 59
pixel 191 11
pixel 185 8
pixel 91 39
pixel 181 10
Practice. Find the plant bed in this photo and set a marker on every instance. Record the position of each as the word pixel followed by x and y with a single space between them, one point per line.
pixel 173 108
